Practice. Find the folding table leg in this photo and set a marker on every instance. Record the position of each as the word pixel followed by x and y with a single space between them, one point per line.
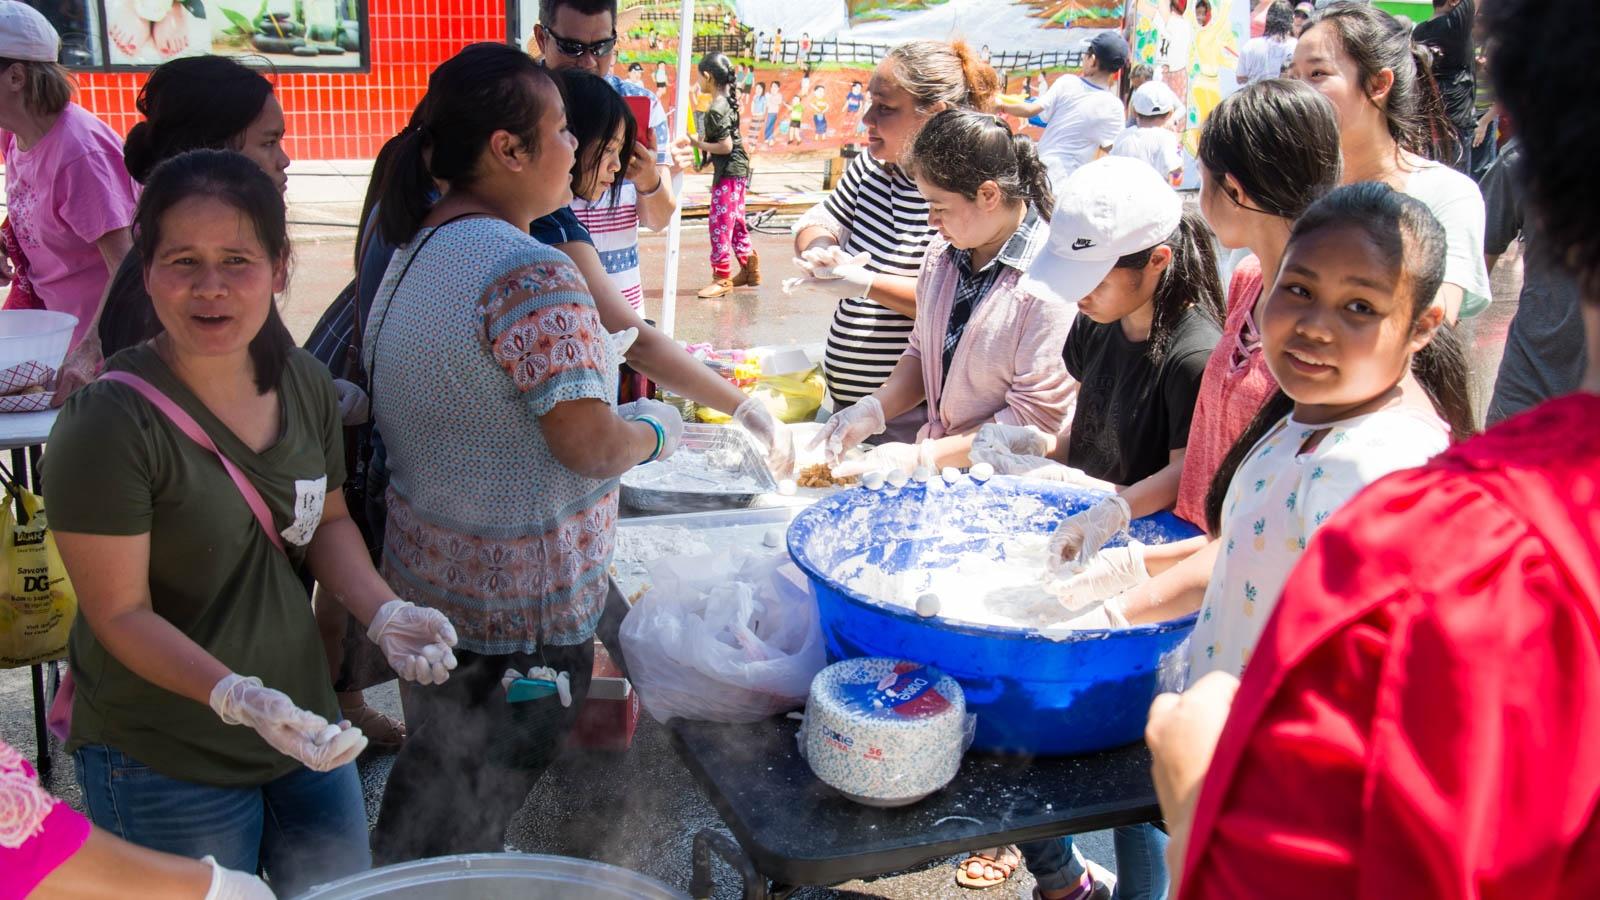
pixel 41 733
pixel 701 882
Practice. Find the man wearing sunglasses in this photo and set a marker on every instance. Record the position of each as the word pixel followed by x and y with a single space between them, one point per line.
pixel 582 34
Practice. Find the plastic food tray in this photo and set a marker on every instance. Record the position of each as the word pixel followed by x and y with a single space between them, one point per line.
pixel 641 493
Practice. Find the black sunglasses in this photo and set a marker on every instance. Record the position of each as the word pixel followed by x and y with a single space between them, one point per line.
pixel 576 49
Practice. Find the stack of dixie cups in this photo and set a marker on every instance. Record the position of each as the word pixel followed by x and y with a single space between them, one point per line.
pixel 884 732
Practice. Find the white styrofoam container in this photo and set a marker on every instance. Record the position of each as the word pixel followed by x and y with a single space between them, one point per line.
pixel 37 335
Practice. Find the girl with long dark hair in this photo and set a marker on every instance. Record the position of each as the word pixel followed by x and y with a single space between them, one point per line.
pixel 493 383
pixel 722 141
pixel 1143 275
pixel 1393 129
pixel 1370 383
pixel 986 343
pixel 1266 153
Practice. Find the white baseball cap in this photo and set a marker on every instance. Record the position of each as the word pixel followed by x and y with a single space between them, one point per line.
pixel 26 35
pixel 1106 210
pixel 1154 98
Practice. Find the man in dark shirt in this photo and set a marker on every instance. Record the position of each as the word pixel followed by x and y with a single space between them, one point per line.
pixel 1544 355
pixel 1449 33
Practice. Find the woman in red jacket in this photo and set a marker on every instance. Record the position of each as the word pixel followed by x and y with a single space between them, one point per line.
pixel 1421 716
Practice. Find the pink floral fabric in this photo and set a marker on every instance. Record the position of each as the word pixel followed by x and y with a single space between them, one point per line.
pixel 37 832
pixel 730 236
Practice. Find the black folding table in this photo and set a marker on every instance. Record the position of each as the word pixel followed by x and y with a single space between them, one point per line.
pixel 791 830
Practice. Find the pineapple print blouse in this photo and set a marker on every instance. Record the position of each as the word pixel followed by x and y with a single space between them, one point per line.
pixel 1280 496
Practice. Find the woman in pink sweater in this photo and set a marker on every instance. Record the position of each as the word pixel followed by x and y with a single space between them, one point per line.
pixel 987 344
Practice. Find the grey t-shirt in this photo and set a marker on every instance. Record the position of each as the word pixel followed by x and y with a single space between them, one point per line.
pixel 1544 352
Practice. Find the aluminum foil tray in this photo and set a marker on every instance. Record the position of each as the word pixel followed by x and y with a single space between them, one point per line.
pixel 642 490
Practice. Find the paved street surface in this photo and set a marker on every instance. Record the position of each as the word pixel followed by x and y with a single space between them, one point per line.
pixel 639 809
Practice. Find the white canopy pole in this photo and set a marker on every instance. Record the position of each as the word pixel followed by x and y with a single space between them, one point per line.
pixel 680 112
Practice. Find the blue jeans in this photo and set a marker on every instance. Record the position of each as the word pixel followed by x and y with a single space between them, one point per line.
pixel 303 829
pixel 1141 863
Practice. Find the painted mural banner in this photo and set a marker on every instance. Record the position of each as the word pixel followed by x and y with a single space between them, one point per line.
pixel 804 67
pixel 287 34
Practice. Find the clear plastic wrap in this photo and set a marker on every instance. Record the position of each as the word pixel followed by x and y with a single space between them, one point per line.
pixel 885 732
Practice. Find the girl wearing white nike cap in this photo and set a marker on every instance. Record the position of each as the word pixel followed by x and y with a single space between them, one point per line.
pixel 1144 277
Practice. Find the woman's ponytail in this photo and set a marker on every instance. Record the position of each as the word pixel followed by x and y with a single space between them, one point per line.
pixel 406 193
pixel 1189 281
pixel 960 150
pixel 1032 176
pixel 982 82
pixel 1442 368
pixel 1443 143
pixel 139 154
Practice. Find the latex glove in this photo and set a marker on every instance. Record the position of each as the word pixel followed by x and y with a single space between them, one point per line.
pixel 888 458
pixel 296 733
pixel 1096 615
pixel 1115 570
pixel 1081 536
pixel 415 640
pixel 227 884
pixel 1038 468
pixel 354 404
pixel 772 435
pixel 622 341
pixel 1021 440
pixel 542 673
pixel 849 427
pixel 667 417
pixel 830 270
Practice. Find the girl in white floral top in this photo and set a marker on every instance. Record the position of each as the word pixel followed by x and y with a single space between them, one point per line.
pixel 1370 384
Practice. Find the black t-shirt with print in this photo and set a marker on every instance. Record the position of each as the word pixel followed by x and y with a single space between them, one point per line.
pixel 1132 413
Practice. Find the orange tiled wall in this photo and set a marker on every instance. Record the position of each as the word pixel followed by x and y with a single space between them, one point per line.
pixel 340 116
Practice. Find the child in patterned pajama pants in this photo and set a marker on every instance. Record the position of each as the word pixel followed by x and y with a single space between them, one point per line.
pixel 721 139
pixel 730 237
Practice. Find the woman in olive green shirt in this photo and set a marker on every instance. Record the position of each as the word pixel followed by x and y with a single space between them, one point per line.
pixel 193 619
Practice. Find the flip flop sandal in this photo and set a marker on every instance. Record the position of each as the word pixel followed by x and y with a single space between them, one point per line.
pixel 1004 860
pixel 384 734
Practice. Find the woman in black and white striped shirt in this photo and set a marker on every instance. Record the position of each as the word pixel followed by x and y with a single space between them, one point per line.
pixel 875 212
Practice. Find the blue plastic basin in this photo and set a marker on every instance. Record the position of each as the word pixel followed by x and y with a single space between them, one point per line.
pixel 1087 692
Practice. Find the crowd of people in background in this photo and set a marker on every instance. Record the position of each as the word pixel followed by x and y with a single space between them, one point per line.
pixel 1393 670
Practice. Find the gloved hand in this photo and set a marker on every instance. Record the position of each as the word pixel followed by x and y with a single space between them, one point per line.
pixel 354 404
pixel 1113 571
pixel 1081 536
pixel 415 640
pixel 227 884
pixel 622 341
pixel 1020 440
pixel 1009 462
pixel 1098 615
pixel 831 270
pixel 850 426
pixel 771 434
pixel 888 458
pixel 667 417
pixel 292 731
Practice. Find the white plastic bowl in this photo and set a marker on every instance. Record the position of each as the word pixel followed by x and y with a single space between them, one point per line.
pixel 36 335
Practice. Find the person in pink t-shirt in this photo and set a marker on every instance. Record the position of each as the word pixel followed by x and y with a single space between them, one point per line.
pixel 69 199
pixel 1267 153
pixel 49 851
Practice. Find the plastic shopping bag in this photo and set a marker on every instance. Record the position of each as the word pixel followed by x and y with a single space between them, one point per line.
pixel 38 606
pixel 727 638
pixel 790 398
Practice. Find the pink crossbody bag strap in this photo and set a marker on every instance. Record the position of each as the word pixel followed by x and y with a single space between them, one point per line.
pixel 192 429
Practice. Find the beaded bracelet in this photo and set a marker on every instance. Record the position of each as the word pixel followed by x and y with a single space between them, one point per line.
pixel 661 437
